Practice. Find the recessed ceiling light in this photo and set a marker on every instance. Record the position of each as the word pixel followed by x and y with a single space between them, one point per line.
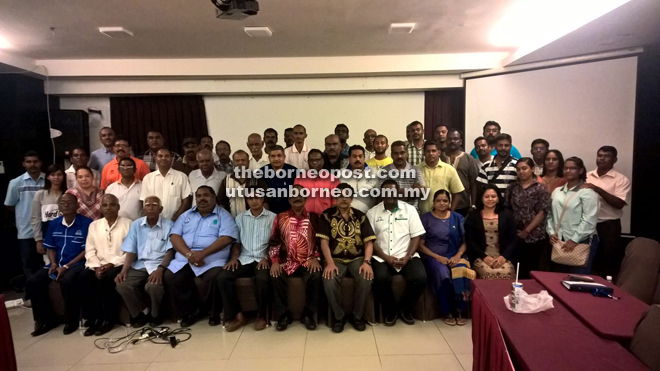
pixel 4 43
pixel 258 31
pixel 402 27
pixel 116 32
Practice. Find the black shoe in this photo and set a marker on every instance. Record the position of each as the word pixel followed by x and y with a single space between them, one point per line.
pixel 359 324
pixel 214 320
pixel 139 321
pixel 338 326
pixel 88 324
pixel 91 328
pixel 70 328
pixel 188 321
pixel 406 317
pixel 104 328
pixel 43 329
pixel 155 321
pixel 283 322
pixel 390 319
pixel 309 322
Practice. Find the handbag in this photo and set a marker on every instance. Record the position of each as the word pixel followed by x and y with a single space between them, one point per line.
pixel 575 258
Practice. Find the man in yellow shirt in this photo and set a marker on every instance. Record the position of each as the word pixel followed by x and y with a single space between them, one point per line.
pixel 380 159
pixel 438 175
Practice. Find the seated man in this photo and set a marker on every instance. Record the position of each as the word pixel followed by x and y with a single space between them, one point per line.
pixel 104 260
pixel 398 230
pixel 347 244
pixel 294 252
pixel 249 258
pixel 70 231
pixel 200 237
pixel 148 254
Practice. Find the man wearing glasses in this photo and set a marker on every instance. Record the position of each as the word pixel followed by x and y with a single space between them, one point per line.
pixel 127 190
pixel 111 172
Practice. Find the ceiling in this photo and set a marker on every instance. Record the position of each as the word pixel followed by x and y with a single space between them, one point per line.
pixel 189 28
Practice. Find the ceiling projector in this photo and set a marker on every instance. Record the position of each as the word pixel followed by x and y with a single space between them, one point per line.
pixel 235 9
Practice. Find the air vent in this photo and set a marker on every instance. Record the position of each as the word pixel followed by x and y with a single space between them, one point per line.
pixel 116 32
pixel 258 31
pixel 402 27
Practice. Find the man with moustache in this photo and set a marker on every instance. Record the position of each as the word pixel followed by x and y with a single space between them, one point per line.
pixel 206 174
pixel 270 139
pixel 359 176
pixel 438 175
pixel 155 141
pixel 102 156
pixel 189 161
pixel 314 182
pixel 440 135
pixel 333 158
pixel 231 196
pixel 501 170
pixel 206 142
pixel 415 147
pixel 127 190
pixel 169 185
pixel 491 131
pixel 111 172
pixel 257 158
pixel 78 157
pixel 401 164
pixel 277 162
pixel 296 155
pixel 288 137
pixel 223 163
pixel 380 159
pixel 465 166
pixel 483 149
pixel 341 131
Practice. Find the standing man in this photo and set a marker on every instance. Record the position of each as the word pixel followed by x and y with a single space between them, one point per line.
pixel 169 185
pixel 279 204
pixel 148 254
pixel 341 131
pixel 347 244
pixel 201 238
pixel 270 139
pixel 483 149
pixel 294 252
pixel 398 229
pixel 539 149
pixel 491 131
pixel 501 171
pixel 78 158
pixel 380 159
pixel 189 161
pixel 466 167
pixel 102 156
pixel 405 183
pixel 206 142
pixel 155 141
pixel 361 178
pixel 249 258
pixel 256 145
pixel 206 174
pixel 438 175
pixel 288 137
pixel 613 189
pixel 127 190
pixel 332 157
pixel 369 137
pixel 224 163
pixel 316 203
pixel 296 155
pixel 440 136
pixel 415 147
pixel 231 196
pixel 20 194
pixel 111 172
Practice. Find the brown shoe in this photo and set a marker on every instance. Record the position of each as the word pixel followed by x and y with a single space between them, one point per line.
pixel 260 324
pixel 236 323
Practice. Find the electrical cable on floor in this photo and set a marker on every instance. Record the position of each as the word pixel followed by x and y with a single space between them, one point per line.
pixel 156 335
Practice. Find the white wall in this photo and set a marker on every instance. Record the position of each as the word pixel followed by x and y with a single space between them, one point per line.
pixel 83 103
pixel 234 118
pixel 576 108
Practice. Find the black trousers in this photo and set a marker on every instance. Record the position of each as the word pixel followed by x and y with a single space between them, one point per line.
pixel 312 291
pixel 189 292
pixel 100 298
pixel 32 261
pixel 529 255
pixel 37 288
pixel 415 276
pixel 227 286
pixel 610 252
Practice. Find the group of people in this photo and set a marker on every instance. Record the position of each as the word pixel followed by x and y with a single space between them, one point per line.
pixel 113 225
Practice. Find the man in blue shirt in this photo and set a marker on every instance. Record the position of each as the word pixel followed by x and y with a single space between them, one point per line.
pixel 65 244
pixel 102 156
pixel 20 193
pixel 491 130
pixel 201 237
pixel 277 166
pixel 148 254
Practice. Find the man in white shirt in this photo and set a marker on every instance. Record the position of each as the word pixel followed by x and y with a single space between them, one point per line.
pixel 257 158
pixel 103 261
pixel 206 174
pixel 169 185
pixel 127 190
pixel 78 158
pixel 361 178
pixel 296 155
pixel 368 139
pixel 398 229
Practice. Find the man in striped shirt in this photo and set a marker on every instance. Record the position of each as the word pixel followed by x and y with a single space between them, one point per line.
pixel 501 170
pixel 415 146
pixel 249 258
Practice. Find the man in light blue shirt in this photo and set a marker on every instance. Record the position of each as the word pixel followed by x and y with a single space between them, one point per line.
pixel 148 254
pixel 20 193
pixel 491 130
pixel 102 156
pixel 249 258
pixel 201 237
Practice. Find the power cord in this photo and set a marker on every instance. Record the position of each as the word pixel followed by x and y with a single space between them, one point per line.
pixel 156 335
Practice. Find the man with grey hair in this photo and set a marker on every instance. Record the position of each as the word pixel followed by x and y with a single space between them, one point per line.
pixel 257 158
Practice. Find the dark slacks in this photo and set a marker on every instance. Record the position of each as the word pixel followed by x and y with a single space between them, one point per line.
pixel 189 292
pixel 529 255
pixel 227 286
pixel 332 289
pixel 415 276
pixel 138 294
pixel 100 298
pixel 312 291
pixel 37 288
pixel 31 259
pixel 610 252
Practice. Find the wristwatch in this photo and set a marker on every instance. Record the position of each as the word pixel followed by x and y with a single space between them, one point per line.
pixel 189 254
pixel 65 266
pixel 161 266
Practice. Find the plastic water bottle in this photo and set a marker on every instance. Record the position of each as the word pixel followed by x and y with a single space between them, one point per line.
pixel 514 298
pixel 609 279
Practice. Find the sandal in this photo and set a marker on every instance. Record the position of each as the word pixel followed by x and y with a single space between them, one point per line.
pixel 460 321
pixel 449 320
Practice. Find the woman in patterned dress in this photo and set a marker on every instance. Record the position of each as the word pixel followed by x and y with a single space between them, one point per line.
pixel 490 234
pixel 89 196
